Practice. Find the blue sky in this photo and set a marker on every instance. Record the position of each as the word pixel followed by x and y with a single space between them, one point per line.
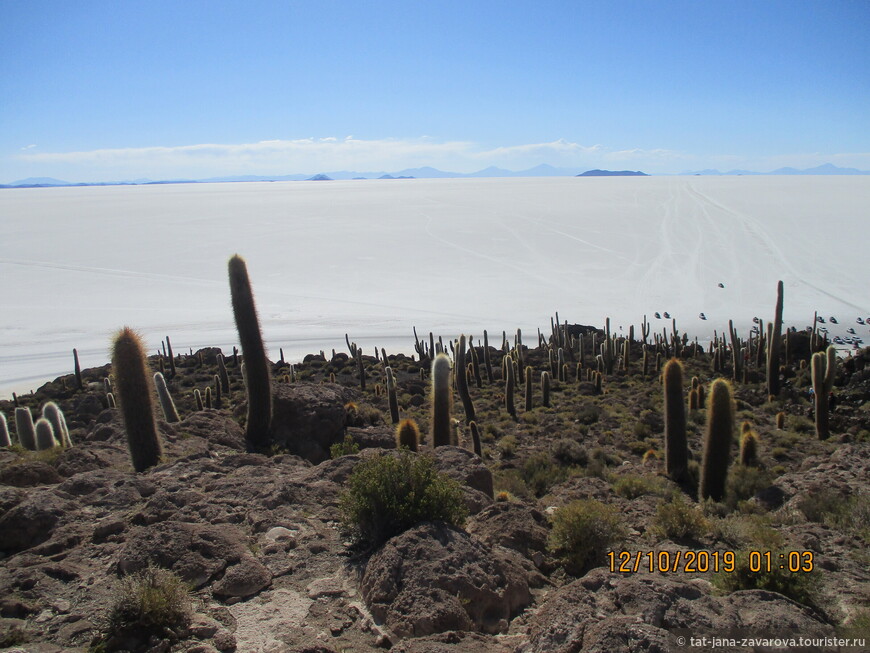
pixel 94 90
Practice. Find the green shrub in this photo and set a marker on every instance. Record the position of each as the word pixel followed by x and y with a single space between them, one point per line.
pixel 507 446
pixel 588 414
pixel 744 483
pixel 678 519
pixel 149 602
pixel 389 494
pixel 583 532
pixel 569 452
pixel 511 481
pixel 630 486
pixel 797 586
pixel 345 448
pixel 540 474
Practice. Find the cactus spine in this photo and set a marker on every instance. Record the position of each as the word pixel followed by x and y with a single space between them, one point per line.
pixel 823 368
pixel 259 389
pixel 44 435
pixel 441 400
pixel 24 427
pixel 773 346
pixel 408 435
pixel 461 378
pixel 170 413
pixel 717 442
pixel 676 447
pixel 134 394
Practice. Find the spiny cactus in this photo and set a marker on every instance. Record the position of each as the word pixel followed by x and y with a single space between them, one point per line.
pixel 509 388
pixel 545 389
pixel 170 413
pixel 773 346
pixel 134 395
pixel 408 435
pixel 823 368
pixel 110 400
pixel 475 438
pixel 748 448
pixel 217 390
pixel 462 380
pixel 24 428
pixel 780 421
pixel 361 369
pixel 717 441
pixel 259 388
pixel 392 397
pixel 676 447
pixel 208 397
pixel 78 369
pixel 171 357
pixel 52 412
pixel 222 375
pixel 197 397
pixel 441 401
pixel 5 440
pixel 44 435
pixel 528 397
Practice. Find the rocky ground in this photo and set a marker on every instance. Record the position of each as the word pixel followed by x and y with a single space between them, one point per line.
pixel 258 537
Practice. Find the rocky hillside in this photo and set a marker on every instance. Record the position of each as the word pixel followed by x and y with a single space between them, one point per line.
pixel 258 537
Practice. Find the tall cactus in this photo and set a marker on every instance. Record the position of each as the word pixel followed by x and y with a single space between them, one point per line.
pixel 717 442
pixel 773 346
pixel 509 388
pixel 545 389
pixel 676 447
pixel 24 427
pixel 528 394
pixel 134 394
pixel 823 369
pixel 392 397
pixel 170 413
pixel 77 369
pixel 259 389
pixel 441 401
pixel 461 378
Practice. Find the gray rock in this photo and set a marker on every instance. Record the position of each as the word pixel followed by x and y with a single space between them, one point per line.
pixel 29 473
pixel 435 578
pixel 308 419
pixel 32 521
pixel 243 579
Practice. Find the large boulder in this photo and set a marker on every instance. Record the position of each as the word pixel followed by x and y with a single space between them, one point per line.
pixel 434 578
pixel 308 419
pixel 607 612
pixel 32 521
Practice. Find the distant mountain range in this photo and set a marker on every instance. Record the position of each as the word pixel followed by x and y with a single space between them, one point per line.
pixel 824 169
pixel 426 172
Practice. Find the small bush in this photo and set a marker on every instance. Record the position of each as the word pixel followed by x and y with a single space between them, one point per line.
pixel 540 474
pixel 630 486
pixel 389 494
pixel 678 519
pixel 588 414
pixel 148 602
pixel 510 481
pixel 569 452
pixel 744 483
pixel 345 448
pixel 583 532
pixel 507 446
pixel 796 586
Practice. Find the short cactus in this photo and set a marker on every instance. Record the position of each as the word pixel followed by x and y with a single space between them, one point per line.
pixel 528 404
pixel 25 429
pixel 475 438
pixel 408 435
pixel 5 440
pixel 545 389
pixel 52 412
pixel 749 448
pixel 134 395
pixel 462 380
pixel 823 369
pixel 170 413
pixel 509 388
pixel 717 442
pixel 44 435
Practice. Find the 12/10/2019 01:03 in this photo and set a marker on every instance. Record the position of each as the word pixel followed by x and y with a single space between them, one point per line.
pixel 704 561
